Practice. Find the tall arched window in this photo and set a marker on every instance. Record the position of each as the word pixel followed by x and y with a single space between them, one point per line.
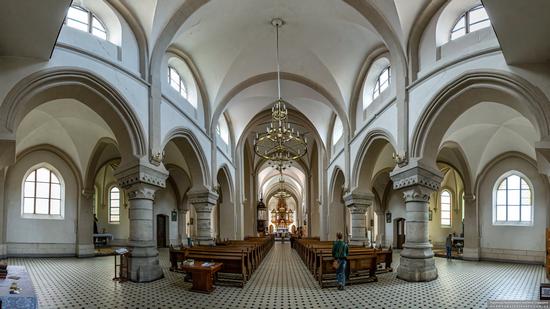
pixel 514 202
pixel 382 82
pixel 82 19
pixel 474 19
pixel 43 193
pixel 445 206
pixel 114 205
pixel 177 82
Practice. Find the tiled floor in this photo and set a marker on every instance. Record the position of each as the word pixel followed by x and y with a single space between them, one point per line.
pixel 282 281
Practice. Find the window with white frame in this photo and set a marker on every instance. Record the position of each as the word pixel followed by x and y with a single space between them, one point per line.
pixel 513 200
pixel 84 20
pixel 43 193
pixel 114 205
pixel 177 82
pixel 445 206
pixel 382 82
pixel 474 19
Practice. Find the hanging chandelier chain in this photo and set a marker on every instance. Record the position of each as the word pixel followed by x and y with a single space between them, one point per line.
pixel 280 144
pixel 278 65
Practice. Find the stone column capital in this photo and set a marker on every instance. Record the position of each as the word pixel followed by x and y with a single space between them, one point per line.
pixel 417 194
pixel 203 201
pixel 141 173
pixel 87 193
pixel 141 191
pixel 469 197
pixel 357 200
pixel 416 175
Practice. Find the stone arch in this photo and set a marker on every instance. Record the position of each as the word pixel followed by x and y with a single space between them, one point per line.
pixel 284 76
pixel 373 143
pixel 137 30
pixel 224 172
pixel 468 90
pixel 337 212
pixel 422 21
pixel 197 79
pixel 59 153
pixel 452 154
pixel 181 182
pixel 360 82
pixel 96 161
pixel 188 144
pixel 85 87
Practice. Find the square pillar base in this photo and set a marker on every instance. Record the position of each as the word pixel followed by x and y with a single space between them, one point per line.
pixel 417 270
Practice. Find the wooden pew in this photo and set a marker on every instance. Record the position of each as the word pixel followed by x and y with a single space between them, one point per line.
pixel 240 258
pixel 362 268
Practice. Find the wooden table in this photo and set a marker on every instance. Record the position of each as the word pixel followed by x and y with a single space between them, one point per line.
pixel 202 276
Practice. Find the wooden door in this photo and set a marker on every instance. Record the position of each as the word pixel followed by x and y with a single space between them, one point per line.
pixel 400 232
pixel 161 231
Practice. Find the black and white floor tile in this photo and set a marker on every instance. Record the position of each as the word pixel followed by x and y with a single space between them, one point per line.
pixel 282 281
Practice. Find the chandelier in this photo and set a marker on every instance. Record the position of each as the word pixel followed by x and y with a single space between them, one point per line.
pixel 280 144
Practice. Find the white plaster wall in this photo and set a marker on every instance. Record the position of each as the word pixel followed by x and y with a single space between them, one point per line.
pixel 40 236
pixel 165 203
pixel 396 205
pixel 520 243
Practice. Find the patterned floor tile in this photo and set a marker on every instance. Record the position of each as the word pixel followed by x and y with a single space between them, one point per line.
pixel 281 281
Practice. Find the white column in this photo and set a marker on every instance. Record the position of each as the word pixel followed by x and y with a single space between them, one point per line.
pixel 358 204
pixel 7 158
pixel 471 229
pixel 381 228
pixel 85 225
pixel 141 182
pixel 204 202
pixel 182 226
pixel 417 182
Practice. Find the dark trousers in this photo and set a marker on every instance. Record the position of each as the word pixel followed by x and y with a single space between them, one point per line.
pixel 449 249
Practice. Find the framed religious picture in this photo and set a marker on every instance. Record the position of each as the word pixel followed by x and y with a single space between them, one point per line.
pixel 430 215
pixel 388 217
pixel 174 215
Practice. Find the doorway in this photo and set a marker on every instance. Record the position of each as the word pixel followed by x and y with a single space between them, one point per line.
pixel 400 227
pixel 161 230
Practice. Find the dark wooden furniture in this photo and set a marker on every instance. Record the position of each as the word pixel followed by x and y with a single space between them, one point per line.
pixel 363 263
pixel 202 276
pixel 240 258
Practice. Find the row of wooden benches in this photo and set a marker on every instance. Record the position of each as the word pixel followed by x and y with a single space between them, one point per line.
pixel 363 263
pixel 240 258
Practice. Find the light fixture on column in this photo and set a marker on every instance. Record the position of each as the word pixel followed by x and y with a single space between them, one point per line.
pixel 280 144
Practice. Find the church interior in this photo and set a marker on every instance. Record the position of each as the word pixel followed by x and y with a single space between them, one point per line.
pixel 209 153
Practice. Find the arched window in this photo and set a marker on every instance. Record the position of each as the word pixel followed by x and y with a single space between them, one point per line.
pixel 114 205
pixel 176 82
pixel 445 206
pixel 382 82
pixel 474 19
pixel 514 203
pixel 82 19
pixel 43 193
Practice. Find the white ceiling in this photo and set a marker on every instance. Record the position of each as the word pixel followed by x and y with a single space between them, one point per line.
pixel 66 124
pixel 489 129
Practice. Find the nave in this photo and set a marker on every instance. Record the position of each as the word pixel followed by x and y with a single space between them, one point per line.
pixel 281 281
